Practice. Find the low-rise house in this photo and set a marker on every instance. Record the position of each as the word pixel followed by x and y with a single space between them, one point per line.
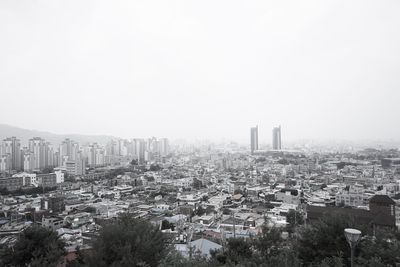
pixel 162 207
pixel 53 223
pixel 72 237
pixel 353 197
pixel 78 219
pixel 288 196
pixel 13 228
pixel 206 220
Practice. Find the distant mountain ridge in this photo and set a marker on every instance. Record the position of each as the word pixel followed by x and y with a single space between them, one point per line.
pixel 55 139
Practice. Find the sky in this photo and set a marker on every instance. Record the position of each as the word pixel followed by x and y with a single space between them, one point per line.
pixel 202 69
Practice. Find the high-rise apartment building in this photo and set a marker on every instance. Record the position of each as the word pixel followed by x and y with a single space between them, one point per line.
pixel 276 138
pixel 164 146
pixel 95 155
pixel 140 149
pixel 131 148
pixel 253 139
pixel 29 161
pixel 122 147
pixel 5 163
pixel 112 152
pixel 112 148
pixel 50 156
pixel 90 154
pixel 100 158
pixel 68 151
pixel 39 148
pixel 12 147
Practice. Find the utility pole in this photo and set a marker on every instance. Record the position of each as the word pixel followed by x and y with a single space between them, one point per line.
pixel 234 225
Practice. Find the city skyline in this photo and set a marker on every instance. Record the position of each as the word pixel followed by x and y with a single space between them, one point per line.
pixel 199 133
pixel 264 139
pixel 73 157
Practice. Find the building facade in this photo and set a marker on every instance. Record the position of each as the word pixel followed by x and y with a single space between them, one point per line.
pixel 253 139
pixel 276 138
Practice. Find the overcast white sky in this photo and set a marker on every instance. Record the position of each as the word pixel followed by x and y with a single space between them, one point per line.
pixel 202 69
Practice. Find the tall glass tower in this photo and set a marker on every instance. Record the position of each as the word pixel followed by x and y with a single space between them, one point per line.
pixel 276 138
pixel 253 139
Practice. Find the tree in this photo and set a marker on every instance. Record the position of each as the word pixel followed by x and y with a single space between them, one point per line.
pixel 285 257
pixel 283 161
pixel 384 247
pixel 239 248
pixel 4 191
pixel 175 259
pixel 128 242
pixel 155 167
pixel 237 251
pixel 261 159
pixel 150 178
pixel 269 242
pixel 334 261
pixel 36 246
pixel 238 191
pixel 167 225
pixel 79 261
pixel 294 219
pixel 324 239
pixel 197 184
pixel 340 165
pixel 200 211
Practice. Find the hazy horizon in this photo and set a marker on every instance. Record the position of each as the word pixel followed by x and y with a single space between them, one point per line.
pixel 265 141
pixel 323 70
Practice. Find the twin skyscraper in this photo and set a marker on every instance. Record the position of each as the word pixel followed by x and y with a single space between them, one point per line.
pixel 276 138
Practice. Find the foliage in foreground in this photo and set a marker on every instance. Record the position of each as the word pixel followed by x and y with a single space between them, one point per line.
pixel 132 242
pixel 128 242
pixel 36 246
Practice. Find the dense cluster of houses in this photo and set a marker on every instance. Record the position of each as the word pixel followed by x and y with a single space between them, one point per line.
pixel 201 199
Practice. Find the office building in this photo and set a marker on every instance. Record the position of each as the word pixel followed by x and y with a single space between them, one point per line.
pixel 253 139
pixel 276 138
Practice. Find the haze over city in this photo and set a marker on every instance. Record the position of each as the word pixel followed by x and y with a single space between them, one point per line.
pixel 321 69
pixel 199 133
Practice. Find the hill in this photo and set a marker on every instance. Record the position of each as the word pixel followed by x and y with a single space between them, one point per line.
pixel 25 134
